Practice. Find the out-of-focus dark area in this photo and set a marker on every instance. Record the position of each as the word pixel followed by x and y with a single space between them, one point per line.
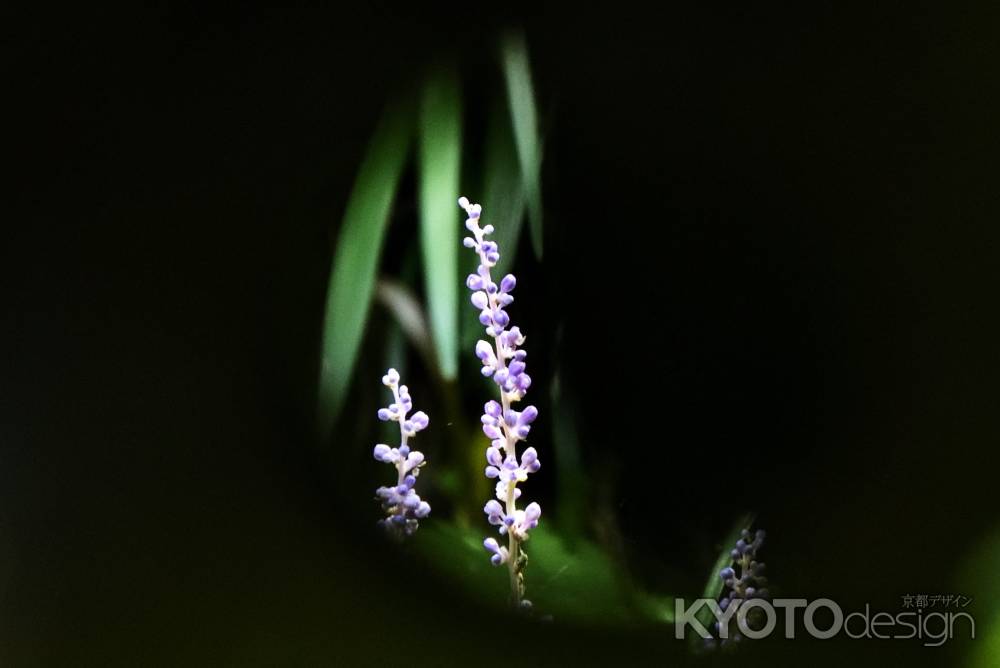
pixel 770 278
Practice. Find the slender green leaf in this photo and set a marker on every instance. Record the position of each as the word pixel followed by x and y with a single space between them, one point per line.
pixel 573 486
pixel 524 119
pixel 503 191
pixel 399 300
pixel 440 161
pixel 355 260
pixel 502 197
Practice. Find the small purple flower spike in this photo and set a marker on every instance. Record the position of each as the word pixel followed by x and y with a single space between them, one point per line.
pixel 742 581
pixel 403 506
pixel 504 362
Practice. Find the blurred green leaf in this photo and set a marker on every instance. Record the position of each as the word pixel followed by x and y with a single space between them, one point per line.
pixel 524 119
pixel 503 192
pixel 714 584
pixel 439 164
pixel 355 260
pixel 656 607
pixel 572 581
pixel 979 578
pixel 573 485
pixel 407 312
pixel 502 197
pixel 578 584
pixel 458 553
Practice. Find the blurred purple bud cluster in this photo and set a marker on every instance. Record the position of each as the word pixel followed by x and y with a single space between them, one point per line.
pixel 743 580
pixel 401 503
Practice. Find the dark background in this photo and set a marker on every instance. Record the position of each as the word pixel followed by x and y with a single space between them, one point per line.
pixel 771 255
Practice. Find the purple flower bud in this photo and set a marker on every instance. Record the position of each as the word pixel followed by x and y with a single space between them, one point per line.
pixel 469 242
pixel 507 283
pixel 474 282
pixel 420 420
pixel 501 491
pixel 404 450
pixel 493 409
pixel 492 471
pixel 484 351
pixel 415 459
pixel 516 367
pixel 533 512
pixel 499 553
pixel 491 431
pixel 528 415
pixel 492 456
pixel 382 453
pixel 494 511
pixel 423 510
pixel 480 300
pixel 529 460
pixel 384 415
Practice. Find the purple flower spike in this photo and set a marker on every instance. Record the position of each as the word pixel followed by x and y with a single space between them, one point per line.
pixel 742 580
pixel 504 361
pixel 401 503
